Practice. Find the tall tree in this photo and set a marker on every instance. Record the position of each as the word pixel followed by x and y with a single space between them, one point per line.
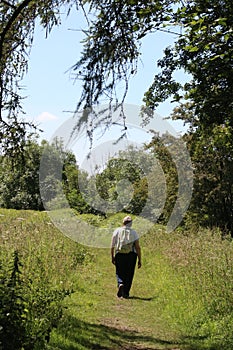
pixel 212 155
pixel 205 52
pixel 203 49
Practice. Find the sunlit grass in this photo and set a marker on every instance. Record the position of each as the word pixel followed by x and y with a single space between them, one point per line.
pixel 40 246
pixel 181 297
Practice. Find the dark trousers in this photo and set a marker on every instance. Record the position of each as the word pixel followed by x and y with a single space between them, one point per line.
pixel 125 266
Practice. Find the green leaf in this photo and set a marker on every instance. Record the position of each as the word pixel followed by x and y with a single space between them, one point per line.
pixel 191 48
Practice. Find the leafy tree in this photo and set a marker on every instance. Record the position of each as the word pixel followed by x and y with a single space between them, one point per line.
pixel 112 45
pixel 133 182
pixel 60 179
pixel 212 202
pixel 212 158
pixel 72 177
pixel 19 179
pixel 17 24
pixel 204 50
pixel 112 186
pixel 159 146
pixel 42 172
pixel 51 172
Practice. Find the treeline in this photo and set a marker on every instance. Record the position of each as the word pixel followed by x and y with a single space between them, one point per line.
pixel 25 184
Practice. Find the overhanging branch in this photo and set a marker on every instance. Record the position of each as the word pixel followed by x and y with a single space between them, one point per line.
pixel 8 4
pixel 11 20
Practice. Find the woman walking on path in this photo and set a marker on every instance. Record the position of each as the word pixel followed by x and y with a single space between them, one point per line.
pixel 125 250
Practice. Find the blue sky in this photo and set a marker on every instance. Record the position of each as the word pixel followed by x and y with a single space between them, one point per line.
pixel 52 94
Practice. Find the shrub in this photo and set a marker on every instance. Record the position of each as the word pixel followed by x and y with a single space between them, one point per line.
pixel 28 313
pixel 37 268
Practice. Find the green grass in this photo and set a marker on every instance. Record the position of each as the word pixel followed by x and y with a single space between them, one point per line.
pixel 181 298
pixel 96 319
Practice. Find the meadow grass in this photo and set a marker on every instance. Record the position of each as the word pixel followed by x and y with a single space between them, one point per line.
pixel 40 245
pixel 181 298
pixel 198 292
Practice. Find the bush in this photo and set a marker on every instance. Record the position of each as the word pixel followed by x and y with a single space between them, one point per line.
pixel 37 268
pixel 27 314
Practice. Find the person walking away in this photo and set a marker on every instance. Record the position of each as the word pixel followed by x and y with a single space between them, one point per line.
pixel 125 250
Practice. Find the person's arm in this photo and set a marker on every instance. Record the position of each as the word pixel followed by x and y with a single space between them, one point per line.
pixel 113 250
pixel 138 251
pixel 113 255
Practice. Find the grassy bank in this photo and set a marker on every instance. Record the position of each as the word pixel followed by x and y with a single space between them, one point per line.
pixel 37 265
pixel 40 246
pixel 181 297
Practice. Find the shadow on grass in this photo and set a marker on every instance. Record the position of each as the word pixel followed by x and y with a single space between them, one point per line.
pixel 200 343
pixel 141 298
pixel 74 334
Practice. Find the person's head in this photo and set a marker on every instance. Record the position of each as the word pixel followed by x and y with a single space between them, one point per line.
pixel 127 221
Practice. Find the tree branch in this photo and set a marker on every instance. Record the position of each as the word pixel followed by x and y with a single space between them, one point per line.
pixel 17 10
pixel 15 14
pixel 8 4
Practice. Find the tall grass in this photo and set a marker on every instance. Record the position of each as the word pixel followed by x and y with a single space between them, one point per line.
pixel 37 271
pixel 42 248
pixel 185 284
pixel 195 285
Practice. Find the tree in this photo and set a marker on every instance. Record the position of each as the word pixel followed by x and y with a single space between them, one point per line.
pixel 113 185
pixel 212 155
pixel 17 24
pixel 159 146
pixel 47 171
pixel 112 45
pixel 72 176
pixel 133 183
pixel 111 51
pixel 203 49
pixel 19 179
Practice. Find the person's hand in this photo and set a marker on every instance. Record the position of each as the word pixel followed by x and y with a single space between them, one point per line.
pixel 139 264
pixel 113 260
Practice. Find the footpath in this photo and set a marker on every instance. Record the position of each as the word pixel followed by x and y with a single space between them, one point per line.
pixel 96 319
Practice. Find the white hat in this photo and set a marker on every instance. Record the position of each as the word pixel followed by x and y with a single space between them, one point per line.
pixel 127 219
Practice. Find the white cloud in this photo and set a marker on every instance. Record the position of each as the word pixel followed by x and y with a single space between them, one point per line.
pixel 46 116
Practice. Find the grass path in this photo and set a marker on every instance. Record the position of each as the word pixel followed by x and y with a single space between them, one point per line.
pixel 96 319
pixel 181 298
